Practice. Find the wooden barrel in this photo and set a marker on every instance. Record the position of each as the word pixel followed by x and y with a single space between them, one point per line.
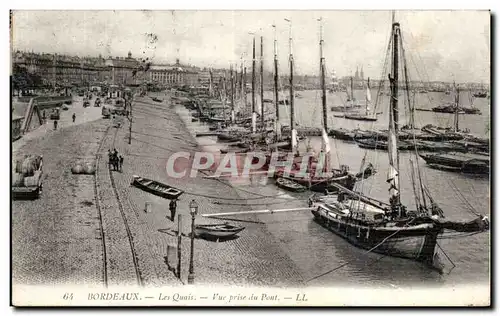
pixel 34 180
pixel 17 180
pixel 30 181
pixel 77 169
pixel 19 166
pixel 29 166
pixel 89 168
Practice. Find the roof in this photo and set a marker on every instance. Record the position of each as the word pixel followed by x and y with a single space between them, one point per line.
pixel 122 63
pixel 175 68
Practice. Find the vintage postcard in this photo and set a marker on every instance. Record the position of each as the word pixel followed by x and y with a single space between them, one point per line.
pixel 250 158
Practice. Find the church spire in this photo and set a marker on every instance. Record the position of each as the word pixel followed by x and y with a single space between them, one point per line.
pixel 356 75
pixel 362 75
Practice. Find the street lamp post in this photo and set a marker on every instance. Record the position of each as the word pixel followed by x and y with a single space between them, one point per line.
pixel 193 208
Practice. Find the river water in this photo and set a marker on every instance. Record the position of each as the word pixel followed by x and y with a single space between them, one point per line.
pixel 316 250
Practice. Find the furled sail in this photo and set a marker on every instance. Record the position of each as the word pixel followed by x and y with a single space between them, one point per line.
pixel 277 129
pixel 325 148
pixel 254 122
pixel 294 140
pixel 368 98
pixel 325 144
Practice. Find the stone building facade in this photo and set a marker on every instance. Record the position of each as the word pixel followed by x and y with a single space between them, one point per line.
pixel 173 75
pixel 61 70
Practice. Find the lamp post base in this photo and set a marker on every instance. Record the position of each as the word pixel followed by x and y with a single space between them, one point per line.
pixel 191 278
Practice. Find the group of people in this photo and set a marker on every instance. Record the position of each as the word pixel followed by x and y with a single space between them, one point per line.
pixel 44 118
pixel 115 160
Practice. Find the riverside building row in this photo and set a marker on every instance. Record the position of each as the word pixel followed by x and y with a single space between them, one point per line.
pixel 62 70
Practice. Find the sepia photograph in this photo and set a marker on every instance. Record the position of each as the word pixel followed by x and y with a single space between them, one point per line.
pixel 250 158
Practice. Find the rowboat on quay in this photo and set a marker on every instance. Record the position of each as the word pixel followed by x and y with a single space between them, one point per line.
pixel 156 188
pixel 290 185
pixel 217 231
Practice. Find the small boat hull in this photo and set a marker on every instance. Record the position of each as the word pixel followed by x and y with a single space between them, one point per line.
pixel 217 231
pixel 156 188
pixel 449 163
pixel 417 244
pixel 361 118
pixel 342 133
pixel 290 185
pixel 235 151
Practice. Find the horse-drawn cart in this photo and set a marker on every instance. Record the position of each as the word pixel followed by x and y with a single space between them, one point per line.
pixel 27 178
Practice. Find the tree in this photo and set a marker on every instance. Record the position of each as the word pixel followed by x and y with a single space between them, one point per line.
pixel 22 79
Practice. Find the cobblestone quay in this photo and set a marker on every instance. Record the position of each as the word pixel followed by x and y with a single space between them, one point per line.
pixel 255 258
pixel 56 239
pixel 70 237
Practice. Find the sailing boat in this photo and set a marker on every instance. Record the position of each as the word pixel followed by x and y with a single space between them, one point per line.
pixel 319 176
pixel 288 143
pixel 349 106
pixel 368 115
pixel 451 108
pixel 468 162
pixel 390 228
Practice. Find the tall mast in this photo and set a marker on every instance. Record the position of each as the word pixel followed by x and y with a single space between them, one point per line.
pixel 223 92
pixel 411 107
pixel 241 85
pixel 322 71
pixel 352 89
pixel 254 114
pixel 292 112
pixel 457 106
pixel 232 94
pixel 395 74
pixel 276 92
pixel 367 100
pixel 393 152
pixel 245 86
pixel 324 132
pixel 262 82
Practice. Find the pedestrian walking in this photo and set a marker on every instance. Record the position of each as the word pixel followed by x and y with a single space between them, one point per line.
pixel 110 158
pixel 55 124
pixel 173 209
pixel 74 117
pixel 121 163
pixel 115 160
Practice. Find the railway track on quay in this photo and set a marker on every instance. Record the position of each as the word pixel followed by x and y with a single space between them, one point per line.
pixel 105 235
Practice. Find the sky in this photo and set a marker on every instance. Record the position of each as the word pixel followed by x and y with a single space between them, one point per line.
pixel 440 45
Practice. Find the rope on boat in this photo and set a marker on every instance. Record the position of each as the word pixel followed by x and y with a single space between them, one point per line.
pixel 244 204
pixel 259 196
pixel 449 259
pixel 459 235
pixel 344 264
pixel 223 198
pixel 463 199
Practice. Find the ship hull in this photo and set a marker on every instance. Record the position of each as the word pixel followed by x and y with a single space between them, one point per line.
pixel 416 244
